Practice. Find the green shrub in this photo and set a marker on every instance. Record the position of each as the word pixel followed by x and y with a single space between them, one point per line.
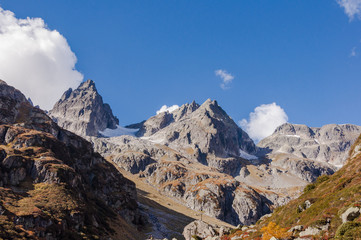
pixel 309 187
pixel 234 230
pixel 322 179
pixel 320 222
pixel 352 234
pixel 347 229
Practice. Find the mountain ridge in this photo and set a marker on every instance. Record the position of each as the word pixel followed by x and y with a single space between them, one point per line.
pixel 329 143
pixel 53 184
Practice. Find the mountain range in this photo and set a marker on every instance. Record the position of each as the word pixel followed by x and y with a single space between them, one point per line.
pixel 195 155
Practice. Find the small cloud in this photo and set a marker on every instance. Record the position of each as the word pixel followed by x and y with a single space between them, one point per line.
pixel 35 59
pixel 263 121
pixel 165 108
pixel 226 77
pixel 353 52
pixel 352 8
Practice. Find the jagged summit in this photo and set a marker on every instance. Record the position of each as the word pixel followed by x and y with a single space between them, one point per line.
pixel 329 143
pixel 206 129
pixel 83 112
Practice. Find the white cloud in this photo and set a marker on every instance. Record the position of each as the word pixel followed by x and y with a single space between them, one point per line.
pixel 263 121
pixel 226 77
pixel 165 108
pixel 36 60
pixel 353 52
pixel 352 8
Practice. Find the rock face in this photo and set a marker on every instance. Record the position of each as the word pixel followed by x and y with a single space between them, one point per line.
pixel 52 183
pixel 329 143
pixel 306 169
pixel 198 131
pixel 83 112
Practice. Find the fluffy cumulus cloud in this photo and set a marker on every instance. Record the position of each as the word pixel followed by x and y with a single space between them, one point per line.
pixel 226 77
pixel 165 108
pixel 351 7
pixel 36 60
pixel 263 121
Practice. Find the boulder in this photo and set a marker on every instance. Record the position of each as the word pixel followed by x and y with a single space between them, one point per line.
pixel 310 231
pixel 350 214
pixel 198 228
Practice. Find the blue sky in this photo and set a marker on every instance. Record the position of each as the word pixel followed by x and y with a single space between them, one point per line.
pixel 145 54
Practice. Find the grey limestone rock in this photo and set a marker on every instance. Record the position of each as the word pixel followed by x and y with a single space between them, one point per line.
pixel 330 143
pixel 350 214
pixel 83 112
pixel 305 169
pixel 296 229
pixel 310 231
pixel 198 228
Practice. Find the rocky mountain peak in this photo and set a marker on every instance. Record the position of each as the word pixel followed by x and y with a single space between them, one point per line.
pixel 87 85
pixel 211 108
pixel 83 112
pixel 206 128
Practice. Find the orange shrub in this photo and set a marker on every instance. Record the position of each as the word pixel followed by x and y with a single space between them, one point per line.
pixel 273 230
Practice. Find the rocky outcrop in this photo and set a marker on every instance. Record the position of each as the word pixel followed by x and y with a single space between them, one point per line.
pixel 83 112
pixel 330 143
pixel 200 229
pixel 52 182
pixel 306 169
pixel 130 153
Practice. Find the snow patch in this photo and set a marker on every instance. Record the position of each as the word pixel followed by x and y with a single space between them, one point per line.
pixel 165 108
pixel 338 165
pixel 247 156
pixel 153 140
pixel 119 131
pixel 297 136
